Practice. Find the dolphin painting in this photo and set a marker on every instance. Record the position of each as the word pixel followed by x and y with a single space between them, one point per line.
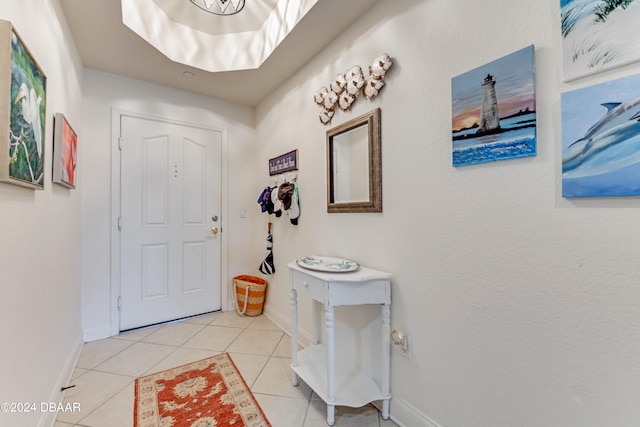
pixel 611 144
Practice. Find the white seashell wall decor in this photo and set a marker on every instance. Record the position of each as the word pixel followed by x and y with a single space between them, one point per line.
pixel 372 87
pixel 345 88
pixel 330 99
pixel 355 80
pixel 380 66
pixel 345 101
pixel 325 116
pixel 338 84
pixel 319 96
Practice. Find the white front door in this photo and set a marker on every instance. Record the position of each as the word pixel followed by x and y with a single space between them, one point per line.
pixel 170 207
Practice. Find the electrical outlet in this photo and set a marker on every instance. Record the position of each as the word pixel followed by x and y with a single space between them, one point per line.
pixel 402 343
pixel 406 352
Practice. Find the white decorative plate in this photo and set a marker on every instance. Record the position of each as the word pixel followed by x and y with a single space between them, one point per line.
pixel 327 264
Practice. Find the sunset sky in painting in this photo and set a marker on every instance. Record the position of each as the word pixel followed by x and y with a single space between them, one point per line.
pixel 514 88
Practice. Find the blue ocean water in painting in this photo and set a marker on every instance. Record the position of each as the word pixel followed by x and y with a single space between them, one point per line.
pixel 607 165
pixel 623 182
pixel 517 139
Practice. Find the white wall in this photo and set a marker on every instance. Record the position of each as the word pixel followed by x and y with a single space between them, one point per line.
pixel 104 92
pixel 523 307
pixel 40 236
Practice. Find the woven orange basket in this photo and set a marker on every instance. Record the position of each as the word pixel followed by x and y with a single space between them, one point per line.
pixel 250 293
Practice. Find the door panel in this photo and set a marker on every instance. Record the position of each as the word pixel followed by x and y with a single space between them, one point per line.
pixel 155 181
pixel 170 195
pixel 194 262
pixel 194 191
pixel 155 283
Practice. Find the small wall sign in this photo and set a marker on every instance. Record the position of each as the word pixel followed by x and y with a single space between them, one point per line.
pixel 284 163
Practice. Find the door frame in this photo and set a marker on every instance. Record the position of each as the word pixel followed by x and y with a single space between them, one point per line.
pixel 116 116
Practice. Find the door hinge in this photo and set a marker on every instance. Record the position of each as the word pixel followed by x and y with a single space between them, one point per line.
pixel 119 223
pixel 119 303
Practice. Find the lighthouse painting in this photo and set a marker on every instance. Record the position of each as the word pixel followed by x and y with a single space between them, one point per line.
pixel 494 110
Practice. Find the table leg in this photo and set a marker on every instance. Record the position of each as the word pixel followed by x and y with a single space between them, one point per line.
pixel 386 358
pixel 315 313
pixel 293 302
pixel 331 364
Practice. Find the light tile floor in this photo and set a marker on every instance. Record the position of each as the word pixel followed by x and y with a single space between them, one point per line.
pixel 106 371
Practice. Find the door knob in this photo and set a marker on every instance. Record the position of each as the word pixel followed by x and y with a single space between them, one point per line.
pixel 214 230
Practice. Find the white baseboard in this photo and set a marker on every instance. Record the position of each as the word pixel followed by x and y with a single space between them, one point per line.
pixel 304 337
pixel 48 418
pixel 97 333
pixel 406 415
pixel 230 305
pixel 277 318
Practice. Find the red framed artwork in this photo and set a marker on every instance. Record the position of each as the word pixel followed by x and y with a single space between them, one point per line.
pixel 65 149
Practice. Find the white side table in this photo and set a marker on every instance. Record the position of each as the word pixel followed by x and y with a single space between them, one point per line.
pixel 316 364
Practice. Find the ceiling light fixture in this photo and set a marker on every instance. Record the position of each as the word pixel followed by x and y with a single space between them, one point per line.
pixel 220 7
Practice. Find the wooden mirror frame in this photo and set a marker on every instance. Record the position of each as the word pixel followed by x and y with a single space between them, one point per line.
pixel 374 204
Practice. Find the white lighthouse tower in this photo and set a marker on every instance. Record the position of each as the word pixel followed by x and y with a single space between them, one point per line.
pixel 489 118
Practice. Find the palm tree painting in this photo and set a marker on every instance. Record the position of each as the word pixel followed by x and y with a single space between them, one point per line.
pixel 23 162
pixel 598 35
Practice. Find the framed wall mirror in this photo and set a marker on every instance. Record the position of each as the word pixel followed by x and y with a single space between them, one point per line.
pixel 354 165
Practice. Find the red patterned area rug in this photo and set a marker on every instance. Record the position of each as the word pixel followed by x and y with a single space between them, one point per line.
pixel 207 393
